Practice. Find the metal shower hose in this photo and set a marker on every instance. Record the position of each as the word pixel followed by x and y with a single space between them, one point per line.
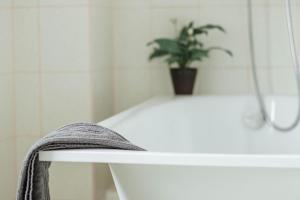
pixel 262 105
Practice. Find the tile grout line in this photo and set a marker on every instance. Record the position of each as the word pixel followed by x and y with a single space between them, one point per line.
pixel 92 90
pixel 51 6
pixel 40 78
pixel 14 104
pixel 113 67
pixel 5 139
pixel 90 64
pixel 248 68
pixel 151 36
pixel 269 32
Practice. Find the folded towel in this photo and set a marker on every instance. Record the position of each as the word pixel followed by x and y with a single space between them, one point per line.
pixel 34 176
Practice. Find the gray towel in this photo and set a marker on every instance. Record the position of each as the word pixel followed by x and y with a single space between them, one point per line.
pixel 34 177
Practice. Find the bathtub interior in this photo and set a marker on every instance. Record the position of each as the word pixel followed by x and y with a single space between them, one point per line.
pixel 207 125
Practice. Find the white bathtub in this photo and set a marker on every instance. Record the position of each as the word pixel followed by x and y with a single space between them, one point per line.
pixel 200 148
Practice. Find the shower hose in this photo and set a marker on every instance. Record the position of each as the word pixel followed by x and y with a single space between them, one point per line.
pixel 262 105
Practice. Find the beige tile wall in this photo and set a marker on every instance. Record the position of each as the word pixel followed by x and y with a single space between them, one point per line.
pixel 47 79
pixel 7 105
pixel 102 80
pixel 82 60
pixel 7 171
pixel 136 22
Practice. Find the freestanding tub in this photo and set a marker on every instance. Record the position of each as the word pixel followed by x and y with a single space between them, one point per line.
pixel 200 148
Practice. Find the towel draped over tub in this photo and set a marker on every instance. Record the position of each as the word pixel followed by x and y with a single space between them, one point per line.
pixel 34 176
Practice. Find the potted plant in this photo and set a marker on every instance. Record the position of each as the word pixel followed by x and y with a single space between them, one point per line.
pixel 182 51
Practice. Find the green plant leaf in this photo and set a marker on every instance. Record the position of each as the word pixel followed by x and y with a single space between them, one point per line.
pixel 195 43
pixel 187 47
pixel 157 53
pixel 191 24
pixel 204 29
pixel 222 49
pixel 198 54
pixel 167 45
pixel 183 36
pixel 173 59
pixel 198 31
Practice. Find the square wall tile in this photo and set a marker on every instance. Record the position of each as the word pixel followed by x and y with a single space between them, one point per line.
pixel 6 40
pixel 228 2
pixel 222 81
pixel 63 2
pixel 26 39
pixel 71 181
pixel 131 33
pixel 265 79
pixel 161 20
pixel 296 17
pixel 233 19
pixel 175 3
pixel 131 4
pixel 283 81
pixel 7 170
pixel 26 3
pixel 28 104
pixel 281 4
pixel 261 34
pixel 65 38
pixel 279 39
pixel 102 3
pixel 296 24
pixel 101 37
pixel 161 82
pixel 102 94
pixel 66 99
pixel 6 106
pixel 6 3
pixel 235 2
pixel 132 86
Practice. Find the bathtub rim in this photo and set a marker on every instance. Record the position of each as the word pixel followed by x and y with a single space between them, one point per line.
pixel 170 158
pixel 110 122
pixel 175 159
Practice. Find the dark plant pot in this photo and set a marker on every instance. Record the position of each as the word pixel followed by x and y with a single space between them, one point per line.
pixel 183 80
